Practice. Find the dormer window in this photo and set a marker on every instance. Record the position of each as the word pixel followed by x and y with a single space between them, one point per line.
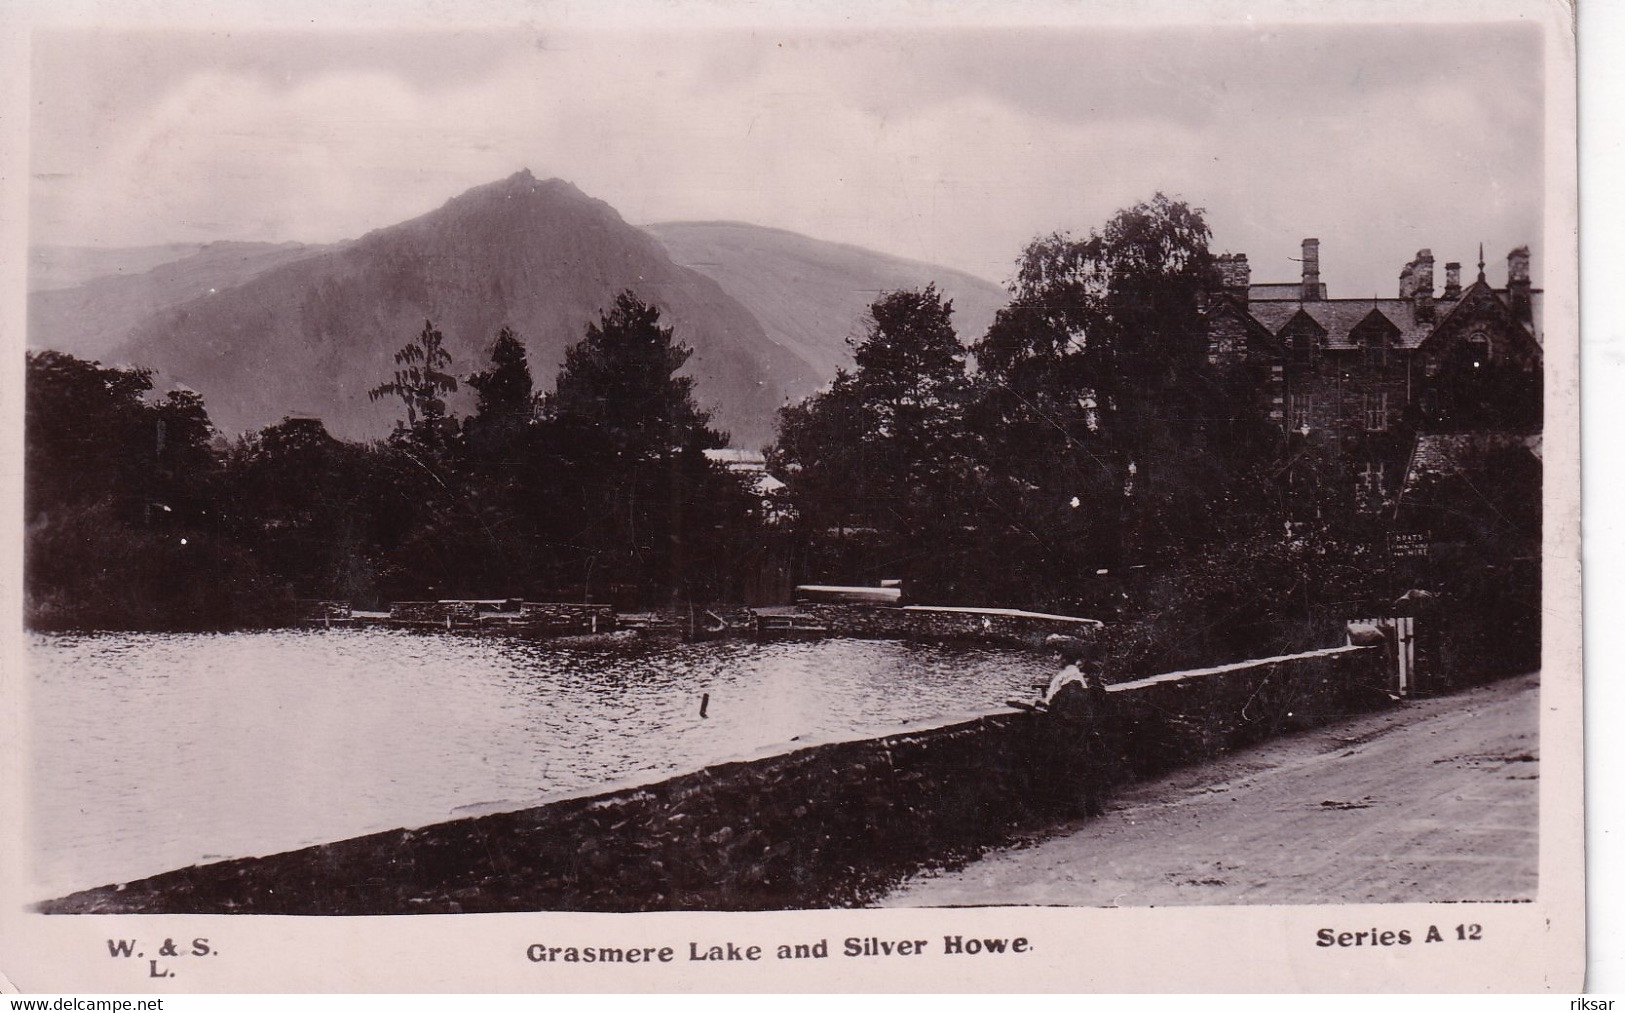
pixel 1304 345
pixel 1374 335
pixel 1376 352
pixel 1303 338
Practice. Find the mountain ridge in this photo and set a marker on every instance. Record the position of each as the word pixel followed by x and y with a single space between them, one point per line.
pixel 540 257
pixel 811 295
pixel 777 230
pixel 266 330
pixel 98 315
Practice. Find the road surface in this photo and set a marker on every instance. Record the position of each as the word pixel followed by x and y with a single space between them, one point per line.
pixel 1435 800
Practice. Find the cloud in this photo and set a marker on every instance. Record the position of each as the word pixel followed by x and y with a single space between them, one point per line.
pixel 951 146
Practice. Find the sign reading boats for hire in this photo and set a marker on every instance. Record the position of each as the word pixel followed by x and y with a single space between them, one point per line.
pixel 697 497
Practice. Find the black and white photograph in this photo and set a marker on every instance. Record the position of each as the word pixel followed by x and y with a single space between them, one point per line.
pixel 829 498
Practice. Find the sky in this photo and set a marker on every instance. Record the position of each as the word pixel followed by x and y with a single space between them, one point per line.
pixel 954 145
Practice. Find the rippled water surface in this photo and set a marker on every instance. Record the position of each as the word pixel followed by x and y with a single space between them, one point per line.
pixel 157 751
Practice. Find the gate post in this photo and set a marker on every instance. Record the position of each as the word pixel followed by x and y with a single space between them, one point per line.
pixel 1396 650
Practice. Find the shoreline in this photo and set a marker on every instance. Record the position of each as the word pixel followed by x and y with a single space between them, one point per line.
pixel 834 824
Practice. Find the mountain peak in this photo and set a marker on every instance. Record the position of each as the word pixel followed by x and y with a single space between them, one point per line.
pixel 522 185
pixel 260 331
pixel 524 180
pixel 539 256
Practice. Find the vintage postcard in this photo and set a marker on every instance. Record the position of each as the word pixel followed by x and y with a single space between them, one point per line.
pixel 817 498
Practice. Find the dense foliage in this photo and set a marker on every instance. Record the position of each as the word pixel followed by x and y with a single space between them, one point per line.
pixel 1097 463
pixel 141 516
pixel 1092 461
pixel 637 502
pixel 121 501
pixel 883 469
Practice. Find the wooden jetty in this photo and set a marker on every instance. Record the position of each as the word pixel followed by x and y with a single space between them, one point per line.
pixel 501 615
pixel 782 623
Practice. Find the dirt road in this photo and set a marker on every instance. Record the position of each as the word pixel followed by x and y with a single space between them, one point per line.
pixel 1434 800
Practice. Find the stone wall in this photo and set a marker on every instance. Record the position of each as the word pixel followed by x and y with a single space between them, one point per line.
pixel 826 824
pixel 1187 717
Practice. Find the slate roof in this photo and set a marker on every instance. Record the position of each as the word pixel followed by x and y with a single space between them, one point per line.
pixel 1279 290
pixel 1340 316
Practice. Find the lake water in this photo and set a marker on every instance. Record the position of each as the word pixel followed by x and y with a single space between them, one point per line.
pixel 157 751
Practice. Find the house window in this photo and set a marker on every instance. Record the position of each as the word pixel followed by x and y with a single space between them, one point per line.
pixel 1478 345
pixel 1376 412
pixel 1302 345
pixel 1376 352
pixel 1371 481
pixel 1300 411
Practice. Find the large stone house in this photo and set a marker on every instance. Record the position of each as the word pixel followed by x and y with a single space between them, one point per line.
pixel 1374 378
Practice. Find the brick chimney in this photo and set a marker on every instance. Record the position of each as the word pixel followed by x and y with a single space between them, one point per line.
pixel 1452 280
pixel 1311 270
pixel 1518 283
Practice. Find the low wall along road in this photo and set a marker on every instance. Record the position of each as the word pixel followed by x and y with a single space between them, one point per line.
pixel 826 824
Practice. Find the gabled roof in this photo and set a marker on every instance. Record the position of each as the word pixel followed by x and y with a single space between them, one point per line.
pixel 1338 317
pixel 1301 321
pixel 1495 297
pixel 1229 305
pixel 1375 321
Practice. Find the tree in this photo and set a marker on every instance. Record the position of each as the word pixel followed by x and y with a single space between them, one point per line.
pixel 121 494
pixel 497 435
pixel 506 397
pixel 884 453
pixel 1097 394
pixel 89 435
pixel 499 525
pixel 1112 321
pixel 911 372
pixel 619 387
pixel 635 493
pixel 818 451
pixel 420 476
pixel 93 432
pixel 300 498
pixel 421 381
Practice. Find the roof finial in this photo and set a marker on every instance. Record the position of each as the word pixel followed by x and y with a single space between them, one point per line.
pixel 1480 261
